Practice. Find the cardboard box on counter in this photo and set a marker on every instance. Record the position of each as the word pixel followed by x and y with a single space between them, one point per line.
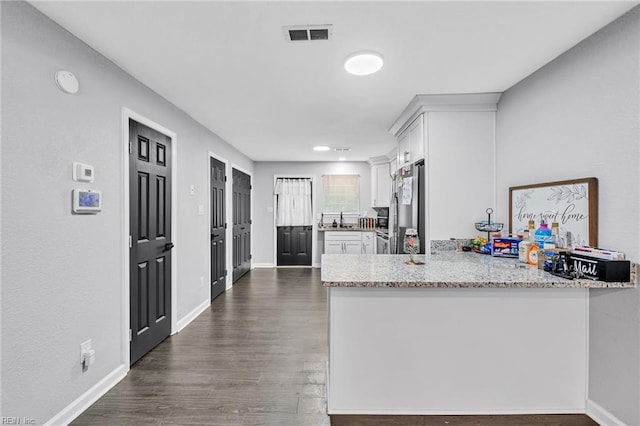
pixel 505 247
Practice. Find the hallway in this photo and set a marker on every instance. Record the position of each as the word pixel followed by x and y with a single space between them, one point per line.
pixel 256 357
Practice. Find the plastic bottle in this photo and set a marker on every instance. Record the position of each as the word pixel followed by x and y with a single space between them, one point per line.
pixel 542 234
pixel 524 247
pixel 555 232
pixel 532 229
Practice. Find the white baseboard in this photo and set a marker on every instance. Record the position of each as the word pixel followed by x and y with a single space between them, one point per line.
pixel 186 320
pixel 469 412
pixel 316 265
pixel 77 407
pixel 602 416
pixel 263 265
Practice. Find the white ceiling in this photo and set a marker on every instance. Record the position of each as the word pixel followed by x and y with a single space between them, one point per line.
pixel 227 64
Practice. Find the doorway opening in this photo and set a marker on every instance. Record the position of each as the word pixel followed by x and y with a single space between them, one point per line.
pixel 294 221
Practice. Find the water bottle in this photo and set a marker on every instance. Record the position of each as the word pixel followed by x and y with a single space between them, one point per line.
pixel 543 234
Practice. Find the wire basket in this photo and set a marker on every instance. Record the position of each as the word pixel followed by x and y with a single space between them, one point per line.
pixel 489 226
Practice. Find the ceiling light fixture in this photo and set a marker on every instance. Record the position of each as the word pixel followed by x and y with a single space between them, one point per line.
pixel 363 63
pixel 321 148
pixel 342 159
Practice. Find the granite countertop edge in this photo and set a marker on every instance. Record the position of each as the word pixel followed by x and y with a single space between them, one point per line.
pixel 448 270
pixel 399 284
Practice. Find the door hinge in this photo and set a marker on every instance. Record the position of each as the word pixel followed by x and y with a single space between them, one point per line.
pixel 250 256
pixel 226 272
pixel 225 225
pixel 130 335
pixel 251 222
pixel 225 178
pixel 130 147
pixel 130 241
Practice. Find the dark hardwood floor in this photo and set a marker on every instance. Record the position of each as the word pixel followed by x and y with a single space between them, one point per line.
pixel 256 357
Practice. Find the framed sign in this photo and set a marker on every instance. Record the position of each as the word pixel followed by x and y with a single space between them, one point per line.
pixel 571 203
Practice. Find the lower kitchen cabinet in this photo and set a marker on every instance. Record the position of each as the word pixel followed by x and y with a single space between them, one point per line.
pixel 368 243
pixel 347 242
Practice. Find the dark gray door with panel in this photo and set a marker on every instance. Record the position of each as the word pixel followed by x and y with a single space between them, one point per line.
pixel 241 224
pixel 150 243
pixel 218 228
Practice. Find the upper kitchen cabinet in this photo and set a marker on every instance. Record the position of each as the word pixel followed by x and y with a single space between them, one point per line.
pixel 382 168
pixel 380 184
pixel 455 134
pixel 411 142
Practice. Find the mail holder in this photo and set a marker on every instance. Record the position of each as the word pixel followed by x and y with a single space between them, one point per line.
pixel 601 269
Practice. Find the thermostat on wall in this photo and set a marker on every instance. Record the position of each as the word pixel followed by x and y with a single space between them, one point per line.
pixel 86 201
pixel 83 172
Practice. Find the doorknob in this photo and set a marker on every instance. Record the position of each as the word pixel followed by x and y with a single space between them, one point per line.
pixel 168 246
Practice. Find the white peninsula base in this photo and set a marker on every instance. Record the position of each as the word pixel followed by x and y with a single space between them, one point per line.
pixel 457 350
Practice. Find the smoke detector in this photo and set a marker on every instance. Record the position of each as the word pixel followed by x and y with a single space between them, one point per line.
pixel 307 32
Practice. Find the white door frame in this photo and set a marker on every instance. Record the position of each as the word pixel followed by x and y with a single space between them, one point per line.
pixel 228 233
pixel 126 309
pixel 314 226
pixel 230 199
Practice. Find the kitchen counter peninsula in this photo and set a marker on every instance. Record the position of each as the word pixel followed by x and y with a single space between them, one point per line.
pixel 445 269
pixel 462 334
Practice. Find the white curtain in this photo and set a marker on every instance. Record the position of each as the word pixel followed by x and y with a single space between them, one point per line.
pixel 294 202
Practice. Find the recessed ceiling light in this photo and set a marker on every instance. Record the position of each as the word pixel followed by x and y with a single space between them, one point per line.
pixel 321 148
pixel 342 159
pixel 363 63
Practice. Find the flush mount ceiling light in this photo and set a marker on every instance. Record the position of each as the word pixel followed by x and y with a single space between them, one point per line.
pixel 363 63
pixel 342 159
pixel 321 148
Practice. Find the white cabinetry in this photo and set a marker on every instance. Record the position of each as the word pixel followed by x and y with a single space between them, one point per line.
pixel 333 247
pixel 455 134
pixel 347 242
pixel 380 185
pixel 368 243
pixel 411 142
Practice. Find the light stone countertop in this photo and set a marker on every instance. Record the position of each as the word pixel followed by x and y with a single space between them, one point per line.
pixel 445 269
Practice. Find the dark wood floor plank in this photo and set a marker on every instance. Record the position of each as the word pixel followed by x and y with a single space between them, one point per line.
pixel 256 357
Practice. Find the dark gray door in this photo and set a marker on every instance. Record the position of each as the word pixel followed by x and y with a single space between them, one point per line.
pixel 218 228
pixel 294 245
pixel 241 224
pixel 150 224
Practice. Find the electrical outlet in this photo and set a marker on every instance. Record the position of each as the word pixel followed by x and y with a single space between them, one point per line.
pixel 84 348
pixel 192 190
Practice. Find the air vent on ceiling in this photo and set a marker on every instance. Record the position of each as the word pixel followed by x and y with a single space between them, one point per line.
pixel 342 149
pixel 307 32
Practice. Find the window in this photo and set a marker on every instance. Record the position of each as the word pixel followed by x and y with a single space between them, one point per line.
pixel 341 193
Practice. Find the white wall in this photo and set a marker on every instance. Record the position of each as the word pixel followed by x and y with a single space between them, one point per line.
pixel 62 273
pixel 578 117
pixel 263 224
pixel 460 173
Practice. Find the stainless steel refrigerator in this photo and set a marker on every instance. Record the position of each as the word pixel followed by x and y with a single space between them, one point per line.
pixel 408 205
